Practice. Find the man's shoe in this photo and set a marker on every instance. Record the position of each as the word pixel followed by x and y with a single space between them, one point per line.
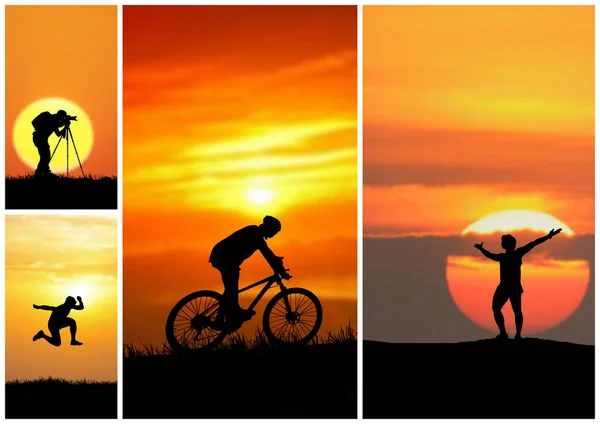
pixel 241 314
pixel 234 320
pixel 38 335
pixel 518 337
pixel 502 336
pixel 246 314
pixel 75 343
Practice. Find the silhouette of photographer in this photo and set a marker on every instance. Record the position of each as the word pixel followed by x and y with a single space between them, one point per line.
pixel 58 320
pixel 45 124
pixel 227 257
pixel 510 279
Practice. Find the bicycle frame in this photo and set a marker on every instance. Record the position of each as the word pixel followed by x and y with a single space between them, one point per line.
pixel 273 279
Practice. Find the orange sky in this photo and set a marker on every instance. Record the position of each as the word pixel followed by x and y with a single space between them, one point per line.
pixel 47 259
pixel 68 52
pixel 230 114
pixel 492 105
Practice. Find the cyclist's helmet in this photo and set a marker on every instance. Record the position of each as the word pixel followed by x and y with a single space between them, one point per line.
pixel 272 222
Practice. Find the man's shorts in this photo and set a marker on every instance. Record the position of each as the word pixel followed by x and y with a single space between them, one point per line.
pixel 504 293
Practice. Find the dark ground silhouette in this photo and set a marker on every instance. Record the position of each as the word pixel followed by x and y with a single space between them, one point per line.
pixel 530 378
pixel 58 398
pixel 28 192
pixel 314 381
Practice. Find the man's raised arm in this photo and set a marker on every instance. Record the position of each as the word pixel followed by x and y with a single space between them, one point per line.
pixel 80 306
pixel 527 248
pixel 486 253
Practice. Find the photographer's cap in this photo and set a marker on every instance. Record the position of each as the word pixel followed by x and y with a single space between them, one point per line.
pixel 61 113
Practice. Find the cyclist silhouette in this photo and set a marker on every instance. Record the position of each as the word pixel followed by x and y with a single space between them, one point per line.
pixel 58 320
pixel 510 279
pixel 227 257
pixel 45 124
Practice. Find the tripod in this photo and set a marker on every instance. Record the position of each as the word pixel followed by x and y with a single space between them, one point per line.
pixel 66 135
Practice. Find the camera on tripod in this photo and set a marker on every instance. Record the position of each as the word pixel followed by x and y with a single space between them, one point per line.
pixel 67 135
pixel 67 120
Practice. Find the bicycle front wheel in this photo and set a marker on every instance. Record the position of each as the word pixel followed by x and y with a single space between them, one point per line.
pixel 189 323
pixel 292 316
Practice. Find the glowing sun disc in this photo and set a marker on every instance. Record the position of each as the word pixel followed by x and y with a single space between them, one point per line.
pixel 515 220
pixel 259 196
pixel 81 129
pixel 79 290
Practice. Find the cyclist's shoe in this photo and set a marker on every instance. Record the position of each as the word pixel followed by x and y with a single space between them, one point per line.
pixel 245 314
pixel 232 321
pixel 240 314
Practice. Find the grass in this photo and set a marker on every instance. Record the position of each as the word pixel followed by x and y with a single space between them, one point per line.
pixel 242 343
pixel 74 192
pixel 59 382
pixel 61 398
pixel 244 377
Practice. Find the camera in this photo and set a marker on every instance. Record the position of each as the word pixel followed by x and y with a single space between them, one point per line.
pixel 67 120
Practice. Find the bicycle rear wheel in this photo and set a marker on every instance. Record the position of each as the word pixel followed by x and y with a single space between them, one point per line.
pixel 297 325
pixel 189 323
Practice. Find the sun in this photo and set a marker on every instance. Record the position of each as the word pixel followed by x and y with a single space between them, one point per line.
pixel 517 220
pixel 82 290
pixel 81 130
pixel 260 196
pixel 553 287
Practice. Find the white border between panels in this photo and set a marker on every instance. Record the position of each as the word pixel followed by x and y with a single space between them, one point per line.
pixel 359 224
pixel 3 224
pixel 119 211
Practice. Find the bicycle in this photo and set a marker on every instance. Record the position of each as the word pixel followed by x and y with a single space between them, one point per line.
pixel 292 317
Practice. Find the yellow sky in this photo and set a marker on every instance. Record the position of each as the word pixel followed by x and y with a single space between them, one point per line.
pixel 47 259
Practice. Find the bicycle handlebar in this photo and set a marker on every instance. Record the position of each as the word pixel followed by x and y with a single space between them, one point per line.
pixel 286 269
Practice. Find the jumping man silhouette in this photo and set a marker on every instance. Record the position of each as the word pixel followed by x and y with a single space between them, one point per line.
pixel 59 319
pixel 510 279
